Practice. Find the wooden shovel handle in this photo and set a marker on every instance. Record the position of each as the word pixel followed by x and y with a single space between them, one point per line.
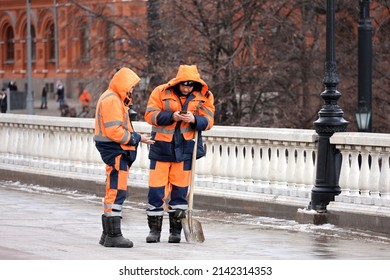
pixel 193 162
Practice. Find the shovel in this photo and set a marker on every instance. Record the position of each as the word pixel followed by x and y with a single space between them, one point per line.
pixel 192 228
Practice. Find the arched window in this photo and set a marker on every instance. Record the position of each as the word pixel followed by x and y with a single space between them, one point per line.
pixel 33 44
pixel 52 42
pixel 9 41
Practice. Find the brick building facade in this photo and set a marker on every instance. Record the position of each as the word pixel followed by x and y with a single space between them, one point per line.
pixel 82 45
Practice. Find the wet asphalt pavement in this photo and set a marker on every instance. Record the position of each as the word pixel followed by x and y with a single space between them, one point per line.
pixel 39 223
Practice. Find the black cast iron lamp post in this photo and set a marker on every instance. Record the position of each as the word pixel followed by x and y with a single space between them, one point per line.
pixel 364 110
pixel 330 121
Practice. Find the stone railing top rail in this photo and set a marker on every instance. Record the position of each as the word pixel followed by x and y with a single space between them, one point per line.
pixel 46 120
pixel 272 134
pixel 361 139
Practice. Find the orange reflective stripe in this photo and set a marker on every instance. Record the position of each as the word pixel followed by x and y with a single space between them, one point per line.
pixel 164 129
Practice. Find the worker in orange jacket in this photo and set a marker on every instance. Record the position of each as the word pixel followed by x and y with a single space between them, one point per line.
pixel 85 98
pixel 117 143
pixel 175 110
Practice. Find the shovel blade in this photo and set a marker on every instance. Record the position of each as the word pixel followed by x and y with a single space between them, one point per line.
pixel 193 231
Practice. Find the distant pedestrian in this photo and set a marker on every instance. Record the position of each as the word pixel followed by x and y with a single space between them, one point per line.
pixel 12 86
pixel 3 100
pixel 44 98
pixel 60 93
pixel 85 99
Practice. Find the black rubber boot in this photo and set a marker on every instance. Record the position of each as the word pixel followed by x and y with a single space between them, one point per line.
pixel 175 225
pixel 104 233
pixel 114 236
pixel 155 224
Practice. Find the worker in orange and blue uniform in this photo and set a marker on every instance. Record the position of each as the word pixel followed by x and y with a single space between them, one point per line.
pixel 175 110
pixel 117 143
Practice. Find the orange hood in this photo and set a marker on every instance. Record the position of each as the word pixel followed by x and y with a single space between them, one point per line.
pixel 123 81
pixel 188 73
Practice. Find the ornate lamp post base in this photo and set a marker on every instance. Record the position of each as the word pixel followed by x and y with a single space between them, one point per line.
pixel 330 121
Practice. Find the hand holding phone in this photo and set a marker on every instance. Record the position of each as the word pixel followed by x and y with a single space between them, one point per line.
pixel 182 112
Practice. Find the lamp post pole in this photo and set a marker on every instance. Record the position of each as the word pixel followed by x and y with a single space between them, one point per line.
pixel 364 65
pixel 29 98
pixel 330 121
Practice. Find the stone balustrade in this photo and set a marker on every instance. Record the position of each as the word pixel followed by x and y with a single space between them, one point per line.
pixel 365 169
pixel 260 164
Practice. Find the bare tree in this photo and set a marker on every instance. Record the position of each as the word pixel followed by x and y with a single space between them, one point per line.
pixel 263 60
pixel 381 66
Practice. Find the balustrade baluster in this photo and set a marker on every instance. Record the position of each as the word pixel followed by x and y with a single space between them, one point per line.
pixel 256 168
pixel 345 170
pixel 12 139
pixel 374 174
pixel 300 171
pixel 89 147
pixel 384 180
pixel 38 139
pixel 354 174
pixel 205 165
pixel 273 166
pixel 291 165
pixel 308 176
pixel 281 169
pixel 18 151
pixel 4 138
pixel 364 174
pixel 240 165
pixel 136 168
pixel 144 161
pixel 248 163
pixel 232 163
pixel 200 164
pixel 265 160
pixel 67 147
pixel 224 161
pixel 55 147
pixel 216 162
pixel 26 149
pixel 33 143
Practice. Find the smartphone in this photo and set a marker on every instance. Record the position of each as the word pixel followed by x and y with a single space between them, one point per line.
pixel 183 112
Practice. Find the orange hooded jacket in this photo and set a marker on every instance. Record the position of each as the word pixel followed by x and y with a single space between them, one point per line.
pixel 164 101
pixel 114 133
